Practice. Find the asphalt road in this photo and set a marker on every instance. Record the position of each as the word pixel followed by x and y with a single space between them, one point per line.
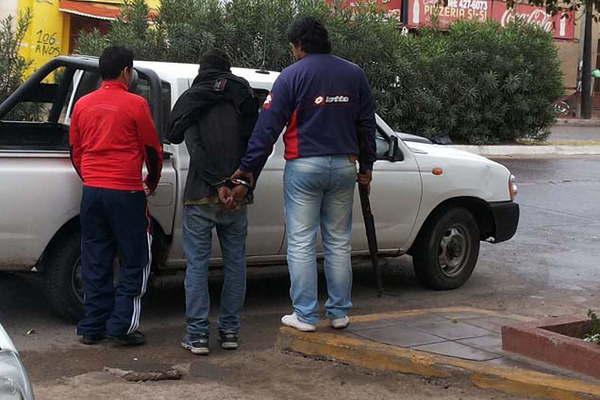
pixel 549 268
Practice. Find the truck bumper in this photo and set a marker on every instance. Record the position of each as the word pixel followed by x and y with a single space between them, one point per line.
pixel 506 219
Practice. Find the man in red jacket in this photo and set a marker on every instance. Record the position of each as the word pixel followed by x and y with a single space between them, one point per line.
pixel 112 134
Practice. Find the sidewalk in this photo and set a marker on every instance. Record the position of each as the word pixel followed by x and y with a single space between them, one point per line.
pixel 565 140
pixel 594 122
pixel 446 342
pixel 526 151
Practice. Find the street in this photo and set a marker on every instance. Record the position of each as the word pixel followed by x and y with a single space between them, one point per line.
pixel 549 268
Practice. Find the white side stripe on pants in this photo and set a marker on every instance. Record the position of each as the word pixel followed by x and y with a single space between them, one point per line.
pixel 137 301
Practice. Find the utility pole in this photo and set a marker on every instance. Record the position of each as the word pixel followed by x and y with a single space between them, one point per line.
pixel 586 70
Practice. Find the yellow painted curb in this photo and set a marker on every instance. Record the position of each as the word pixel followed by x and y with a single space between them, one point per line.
pixel 382 357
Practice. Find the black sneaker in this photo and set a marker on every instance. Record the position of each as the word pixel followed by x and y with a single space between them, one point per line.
pixel 196 344
pixel 92 339
pixel 229 340
pixel 133 339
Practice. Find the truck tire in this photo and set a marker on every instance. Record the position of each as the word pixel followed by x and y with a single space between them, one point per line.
pixel 63 284
pixel 447 249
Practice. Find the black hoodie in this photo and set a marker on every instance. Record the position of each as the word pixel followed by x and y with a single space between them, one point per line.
pixel 216 117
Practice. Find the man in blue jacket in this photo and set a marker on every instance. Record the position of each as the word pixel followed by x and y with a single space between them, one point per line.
pixel 327 105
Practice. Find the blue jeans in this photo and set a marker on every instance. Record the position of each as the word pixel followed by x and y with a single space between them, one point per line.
pixel 231 226
pixel 319 192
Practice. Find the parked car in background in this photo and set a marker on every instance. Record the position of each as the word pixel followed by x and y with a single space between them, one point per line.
pixel 14 382
pixel 430 201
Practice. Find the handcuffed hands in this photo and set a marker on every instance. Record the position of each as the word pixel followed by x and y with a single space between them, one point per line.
pixel 247 176
pixel 226 197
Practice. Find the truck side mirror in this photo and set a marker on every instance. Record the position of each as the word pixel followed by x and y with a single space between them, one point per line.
pixel 395 150
pixel 388 149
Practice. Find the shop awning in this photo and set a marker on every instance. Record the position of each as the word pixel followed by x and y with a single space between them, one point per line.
pixel 105 12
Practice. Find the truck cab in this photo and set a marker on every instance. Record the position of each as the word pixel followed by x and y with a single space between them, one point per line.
pixel 41 192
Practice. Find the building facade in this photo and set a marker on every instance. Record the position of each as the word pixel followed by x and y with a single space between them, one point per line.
pixel 56 24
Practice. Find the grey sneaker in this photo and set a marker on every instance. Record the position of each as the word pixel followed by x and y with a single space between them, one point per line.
pixel 229 340
pixel 196 344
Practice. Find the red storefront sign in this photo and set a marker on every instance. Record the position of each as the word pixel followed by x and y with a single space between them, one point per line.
pixel 420 13
pixel 562 25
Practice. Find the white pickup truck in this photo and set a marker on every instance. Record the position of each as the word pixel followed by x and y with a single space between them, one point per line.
pixel 430 201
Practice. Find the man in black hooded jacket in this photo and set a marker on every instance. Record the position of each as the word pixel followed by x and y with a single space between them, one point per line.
pixel 216 117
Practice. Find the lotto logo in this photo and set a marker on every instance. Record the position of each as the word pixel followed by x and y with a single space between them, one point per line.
pixel 337 99
pixel 332 100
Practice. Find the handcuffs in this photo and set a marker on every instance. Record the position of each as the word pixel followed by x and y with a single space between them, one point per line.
pixel 233 182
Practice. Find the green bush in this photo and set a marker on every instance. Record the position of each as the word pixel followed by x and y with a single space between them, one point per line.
pixel 12 65
pixel 478 82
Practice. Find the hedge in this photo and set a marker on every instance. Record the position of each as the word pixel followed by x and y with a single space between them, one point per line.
pixel 477 82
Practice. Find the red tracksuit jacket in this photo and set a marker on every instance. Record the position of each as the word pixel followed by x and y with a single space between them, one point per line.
pixel 111 135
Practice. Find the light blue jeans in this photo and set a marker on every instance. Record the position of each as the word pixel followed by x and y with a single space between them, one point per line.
pixel 319 192
pixel 231 226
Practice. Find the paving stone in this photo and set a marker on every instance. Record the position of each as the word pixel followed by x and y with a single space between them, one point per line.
pixel 491 343
pixel 452 330
pixel 462 315
pixel 359 326
pixel 454 349
pixel 398 336
pixel 409 320
pixel 493 324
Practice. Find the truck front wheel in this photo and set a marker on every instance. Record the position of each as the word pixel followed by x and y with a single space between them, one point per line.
pixel 62 273
pixel 447 249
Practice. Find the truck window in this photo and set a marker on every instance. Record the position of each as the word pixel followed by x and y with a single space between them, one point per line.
pixel 142 88
pixel 88 81
pixel 37 121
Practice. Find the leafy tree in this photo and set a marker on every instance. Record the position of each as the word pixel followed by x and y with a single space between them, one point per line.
pixel 479 82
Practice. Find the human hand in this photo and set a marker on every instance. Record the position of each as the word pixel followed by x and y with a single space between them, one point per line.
pixel 226 197
pixel 247 176
pixel 239 193
pixel 147 191
pixel 364 179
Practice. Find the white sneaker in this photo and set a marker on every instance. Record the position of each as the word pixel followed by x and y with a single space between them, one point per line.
pixel 293 321
pixel 340 323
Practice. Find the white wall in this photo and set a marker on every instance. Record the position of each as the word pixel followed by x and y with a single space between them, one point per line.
pixel 8 7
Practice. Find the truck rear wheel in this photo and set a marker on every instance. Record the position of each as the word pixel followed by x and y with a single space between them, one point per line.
pixel 62 270
pixel 447 251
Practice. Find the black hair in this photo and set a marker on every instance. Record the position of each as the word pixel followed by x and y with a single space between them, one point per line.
pixel 113 60
pixel 216 59
pixel 310 35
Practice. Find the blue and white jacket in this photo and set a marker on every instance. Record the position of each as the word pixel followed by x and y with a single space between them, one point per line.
pixel 328 108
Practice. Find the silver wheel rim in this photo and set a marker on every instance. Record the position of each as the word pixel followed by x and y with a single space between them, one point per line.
pixel 453 251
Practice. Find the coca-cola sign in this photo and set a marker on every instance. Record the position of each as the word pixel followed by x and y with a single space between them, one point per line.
pixel 560 25
pixel 536 17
